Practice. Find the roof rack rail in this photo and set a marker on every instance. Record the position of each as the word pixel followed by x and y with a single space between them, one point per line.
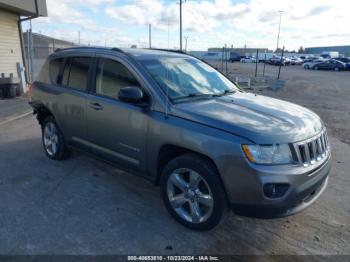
pixel 85 47
pixel 168 50
pixel 69 48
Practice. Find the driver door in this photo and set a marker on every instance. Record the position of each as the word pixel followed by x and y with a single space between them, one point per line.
pixel 117 131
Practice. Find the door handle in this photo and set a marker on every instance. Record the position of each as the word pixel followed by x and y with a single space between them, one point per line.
pixel 96 106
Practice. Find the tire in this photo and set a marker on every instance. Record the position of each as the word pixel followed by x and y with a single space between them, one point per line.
pixel 200 206
pixel 307 67
pixel 336 69
pixel 316 67
pixel 53 140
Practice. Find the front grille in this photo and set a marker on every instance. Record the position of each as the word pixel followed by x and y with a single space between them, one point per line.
pixel 313 150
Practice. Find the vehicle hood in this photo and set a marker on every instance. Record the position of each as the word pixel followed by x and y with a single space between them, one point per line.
pixel 261 119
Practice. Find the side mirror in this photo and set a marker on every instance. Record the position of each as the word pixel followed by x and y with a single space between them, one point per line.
pixel 131 94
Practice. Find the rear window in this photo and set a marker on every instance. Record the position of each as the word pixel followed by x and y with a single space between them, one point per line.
pixel 76 73
pixel 55 66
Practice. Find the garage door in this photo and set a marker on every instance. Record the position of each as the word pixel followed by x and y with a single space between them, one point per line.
pixel 10 46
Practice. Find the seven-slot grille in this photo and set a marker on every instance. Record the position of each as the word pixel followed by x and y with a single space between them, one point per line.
pixel 313 150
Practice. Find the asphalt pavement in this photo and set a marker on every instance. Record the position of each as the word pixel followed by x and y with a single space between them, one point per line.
pixel 84 206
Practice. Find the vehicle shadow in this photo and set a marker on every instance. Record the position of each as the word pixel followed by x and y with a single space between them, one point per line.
pixel 82 205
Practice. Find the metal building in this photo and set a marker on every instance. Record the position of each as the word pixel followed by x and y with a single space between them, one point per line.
pixel 343 50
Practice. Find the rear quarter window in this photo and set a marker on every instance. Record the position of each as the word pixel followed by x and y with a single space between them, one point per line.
pixel 55 67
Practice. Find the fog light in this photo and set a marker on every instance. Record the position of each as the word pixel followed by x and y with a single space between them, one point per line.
pixel 275 190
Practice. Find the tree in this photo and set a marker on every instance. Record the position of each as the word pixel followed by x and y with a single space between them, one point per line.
pixel 301 50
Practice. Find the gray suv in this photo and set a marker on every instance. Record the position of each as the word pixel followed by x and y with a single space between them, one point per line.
pixel 178 122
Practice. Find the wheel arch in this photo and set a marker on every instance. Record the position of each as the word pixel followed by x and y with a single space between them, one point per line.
pixel 169 151
pixel 41 112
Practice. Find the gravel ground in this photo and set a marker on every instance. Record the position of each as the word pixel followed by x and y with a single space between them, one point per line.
pixel 84 206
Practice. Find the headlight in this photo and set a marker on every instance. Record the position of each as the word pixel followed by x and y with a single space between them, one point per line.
pixel 270 154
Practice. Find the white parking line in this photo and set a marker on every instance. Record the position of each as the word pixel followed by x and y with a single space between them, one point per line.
pixel 15 118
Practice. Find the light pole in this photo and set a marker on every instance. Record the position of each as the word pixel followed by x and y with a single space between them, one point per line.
pixel 279 29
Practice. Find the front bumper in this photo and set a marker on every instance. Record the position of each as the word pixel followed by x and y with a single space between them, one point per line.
pixel 306 185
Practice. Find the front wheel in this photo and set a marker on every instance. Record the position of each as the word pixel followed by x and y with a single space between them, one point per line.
pixel 53 140
pixel 192 192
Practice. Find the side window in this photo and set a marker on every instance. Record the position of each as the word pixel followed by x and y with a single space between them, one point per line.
pixel 111 77
pixel 55 67
pixel 76 73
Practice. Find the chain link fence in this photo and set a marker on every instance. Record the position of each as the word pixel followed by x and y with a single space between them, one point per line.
pixel 37 48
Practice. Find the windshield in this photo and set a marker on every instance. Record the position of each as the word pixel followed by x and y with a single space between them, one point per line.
pixel 187 78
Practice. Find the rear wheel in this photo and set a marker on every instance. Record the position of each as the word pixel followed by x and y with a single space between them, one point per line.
pixel 307 67
pixel 53 140
pixel 192 192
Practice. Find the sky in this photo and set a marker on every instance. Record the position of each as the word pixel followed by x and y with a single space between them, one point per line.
pixel 208 23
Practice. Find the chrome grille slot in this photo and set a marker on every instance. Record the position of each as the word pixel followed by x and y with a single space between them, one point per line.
pixel 312 150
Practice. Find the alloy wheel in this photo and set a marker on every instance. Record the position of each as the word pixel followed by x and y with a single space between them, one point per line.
pixel 189 195
pixel 50 139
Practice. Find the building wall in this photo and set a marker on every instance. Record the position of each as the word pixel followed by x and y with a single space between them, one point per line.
pixel 344 50
pixel 10 45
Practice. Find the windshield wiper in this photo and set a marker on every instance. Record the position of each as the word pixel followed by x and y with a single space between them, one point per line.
pixel 192 95
pixel 226 92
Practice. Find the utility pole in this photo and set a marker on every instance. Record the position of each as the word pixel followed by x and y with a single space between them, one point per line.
pixel 181 2
pixel 279 29
pixel 150 35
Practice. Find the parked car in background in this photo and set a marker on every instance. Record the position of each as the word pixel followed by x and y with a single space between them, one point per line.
pixel 310 64
pixel 312 58
pixel 343 59
pixel 248 60
pixel 296 60
pixel 331 64
pixel 235 58
pixel 330 54
pixel 278 61
pixel 178 122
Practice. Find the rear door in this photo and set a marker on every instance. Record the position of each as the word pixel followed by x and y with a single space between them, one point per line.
pixel 74 81
pixel 116 130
